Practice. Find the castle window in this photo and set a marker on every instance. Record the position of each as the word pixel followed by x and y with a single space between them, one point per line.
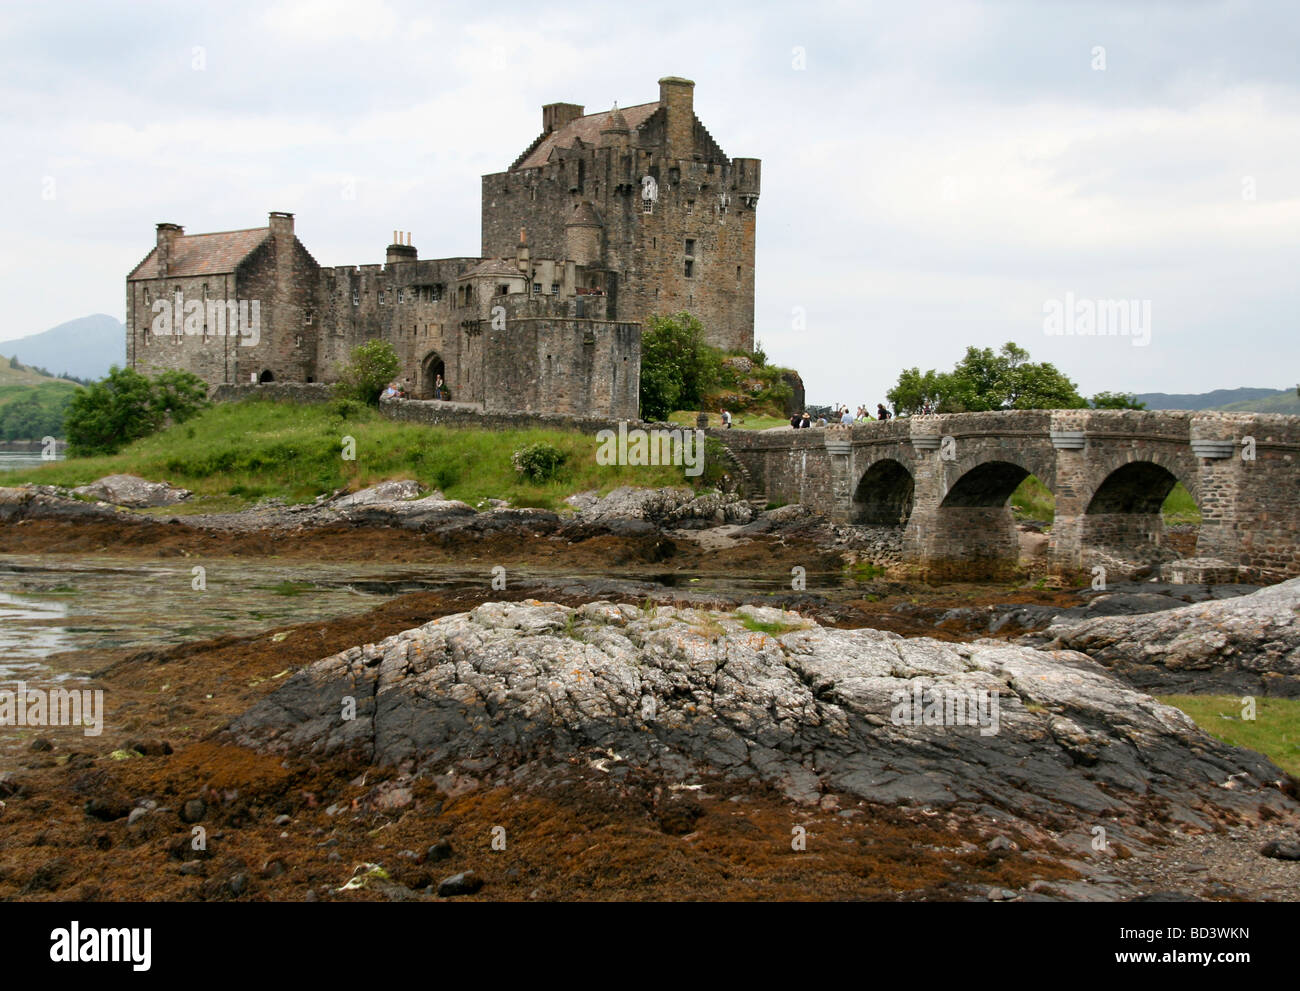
pixel 297 340
pixel 356 298
pixel 737 273
pixel 690 266
pixel 555 288
pixel 383 297
pixel 690 206
pixel 502 290
pixel 537 288
pixel 647 206
pixel 307 318
pixel 146 297
pixel 401 295
pixel 690 246
pixel 437 292
pixel 205 290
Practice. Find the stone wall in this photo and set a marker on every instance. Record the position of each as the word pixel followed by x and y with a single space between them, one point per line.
pixel 280 392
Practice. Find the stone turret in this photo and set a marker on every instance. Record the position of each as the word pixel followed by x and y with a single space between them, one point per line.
pixel 582 235
pixel 615 133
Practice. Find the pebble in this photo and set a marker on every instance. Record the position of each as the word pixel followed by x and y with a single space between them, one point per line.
pixel 464 883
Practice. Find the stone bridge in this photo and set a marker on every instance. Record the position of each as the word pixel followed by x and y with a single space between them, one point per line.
pixel 946 481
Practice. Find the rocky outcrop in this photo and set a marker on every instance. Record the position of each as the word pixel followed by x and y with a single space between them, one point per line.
pixel 1248 644
pixel 133 492
pixel 765 696
pixel 667 507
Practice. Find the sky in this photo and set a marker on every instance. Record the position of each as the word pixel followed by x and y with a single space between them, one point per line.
pixel 936 175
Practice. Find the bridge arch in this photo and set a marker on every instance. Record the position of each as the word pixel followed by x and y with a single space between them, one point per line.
pixel 1122 526
pixel 971 533
pixel 988 484
pixel 884 495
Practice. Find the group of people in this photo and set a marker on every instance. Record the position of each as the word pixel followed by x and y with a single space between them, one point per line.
pixel 398 391
pixel 840 415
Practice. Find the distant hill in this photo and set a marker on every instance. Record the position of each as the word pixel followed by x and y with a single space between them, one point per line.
pixel 24 376
pixel 32 405
pixel 1235 400
pixel 86 347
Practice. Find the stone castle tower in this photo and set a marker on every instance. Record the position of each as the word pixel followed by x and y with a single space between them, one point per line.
pixel 645 196
pixel 605 220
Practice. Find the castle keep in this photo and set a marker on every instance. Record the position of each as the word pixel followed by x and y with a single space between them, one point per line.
pixel 605 220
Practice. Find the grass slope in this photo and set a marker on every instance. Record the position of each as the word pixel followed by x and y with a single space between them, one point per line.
pixel 1274 732
pixel 235 453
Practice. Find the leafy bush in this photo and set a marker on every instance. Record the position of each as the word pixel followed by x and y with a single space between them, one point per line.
pixel 125 406
pixel 372 366
pixel 677 367
pixel 539 462
pixel 347 409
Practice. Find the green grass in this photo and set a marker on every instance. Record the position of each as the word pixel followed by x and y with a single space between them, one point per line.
pixel 1274 732
pixel 236 453
pixel 1033 500
pixel 739 421
pixel 771 629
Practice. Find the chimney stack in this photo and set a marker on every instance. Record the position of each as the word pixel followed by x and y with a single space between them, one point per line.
pixel 677 96
pixel 167 235
pixel 281 224
pixel 556 115
pixel 400 250
pixel 521 253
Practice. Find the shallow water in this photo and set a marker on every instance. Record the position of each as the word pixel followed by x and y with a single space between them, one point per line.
pixel 50 605
pixel 17 460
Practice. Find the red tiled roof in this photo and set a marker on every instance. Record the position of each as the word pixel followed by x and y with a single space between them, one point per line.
pixel 587 128
pixel 204 254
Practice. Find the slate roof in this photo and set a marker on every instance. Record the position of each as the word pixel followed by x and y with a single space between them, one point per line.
pixel 495 266
pixel 587 129
pixel 204 254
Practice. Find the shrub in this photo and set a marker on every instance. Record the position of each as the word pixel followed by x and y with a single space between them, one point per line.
pixel 124 406
pixel 372 366
pixel 539 462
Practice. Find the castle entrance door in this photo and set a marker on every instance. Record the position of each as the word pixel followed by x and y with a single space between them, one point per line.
pixel 430 368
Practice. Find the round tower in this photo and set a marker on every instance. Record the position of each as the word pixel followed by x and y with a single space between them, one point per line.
pixel 582 235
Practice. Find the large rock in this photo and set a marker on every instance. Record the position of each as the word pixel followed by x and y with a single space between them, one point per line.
pixel 1249 643
pixel 132 491
pixel 806 709
pixel 390 491
pixel 666 507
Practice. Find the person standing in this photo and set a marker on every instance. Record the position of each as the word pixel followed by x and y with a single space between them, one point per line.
pixel 726 419
pixel 437 387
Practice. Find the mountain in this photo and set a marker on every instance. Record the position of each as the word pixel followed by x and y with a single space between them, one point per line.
pixel 1234 400
pixel 85 347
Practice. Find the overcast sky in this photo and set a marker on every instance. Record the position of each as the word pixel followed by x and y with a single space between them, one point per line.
pixel 934 174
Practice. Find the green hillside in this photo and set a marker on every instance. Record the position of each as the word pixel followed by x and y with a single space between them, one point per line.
pixel 32 404
pixel 1286 402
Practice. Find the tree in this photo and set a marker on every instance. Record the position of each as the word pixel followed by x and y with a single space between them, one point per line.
pixel 987 380
pixel 124 406
pixel 1115 400
pixel 677 367
pixel 179 395
pixel 372 366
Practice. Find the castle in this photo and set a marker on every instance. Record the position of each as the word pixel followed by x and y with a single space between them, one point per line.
pixel 605 220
